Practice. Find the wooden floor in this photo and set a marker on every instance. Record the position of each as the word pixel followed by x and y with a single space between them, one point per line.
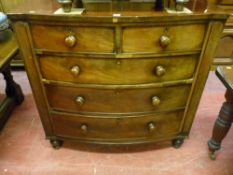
pixel 24 150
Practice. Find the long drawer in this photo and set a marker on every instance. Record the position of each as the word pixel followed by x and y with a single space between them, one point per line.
pixel 117 101
pixel 117 71
pixel 117 129
pixel 73 39
pixel 161 39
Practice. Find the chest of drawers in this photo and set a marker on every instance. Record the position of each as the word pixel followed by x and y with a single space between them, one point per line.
pixel 135 78
pixel 224 51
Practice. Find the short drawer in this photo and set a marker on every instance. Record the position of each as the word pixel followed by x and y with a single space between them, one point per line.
pixel 75 39
pixel 115 129
pixel 162 39
pixel 117 101
pixel 117 71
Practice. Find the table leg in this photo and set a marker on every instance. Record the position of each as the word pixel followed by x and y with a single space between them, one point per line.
pixel 13 90
pixel 222 125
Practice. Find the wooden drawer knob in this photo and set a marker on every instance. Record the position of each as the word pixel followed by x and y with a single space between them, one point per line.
pixel 164 41
pixel 75 70
pixel 160 71
pixel 151 126
pixel 70 41
pixel 80 100
pixel 84 128
pixel 156 101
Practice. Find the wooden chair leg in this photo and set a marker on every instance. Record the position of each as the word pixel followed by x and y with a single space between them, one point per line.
pixel 222 125
pixel 13 90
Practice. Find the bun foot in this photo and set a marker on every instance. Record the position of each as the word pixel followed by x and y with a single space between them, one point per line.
pixel 177 143
pixel 212 155
pixel 56 143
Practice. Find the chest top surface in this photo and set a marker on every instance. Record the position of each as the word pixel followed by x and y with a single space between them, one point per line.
pixel 107 9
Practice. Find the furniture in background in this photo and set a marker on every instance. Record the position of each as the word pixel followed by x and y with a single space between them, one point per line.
pixel 224 51
pixel 5 7
pixel 8 49
pixel 119 75
pixel 225 117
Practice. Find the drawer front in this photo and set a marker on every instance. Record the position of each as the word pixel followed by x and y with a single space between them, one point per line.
pixel 117 71
pixel 79 39
pixel 117 101
pixel 225 47
pixel 117 129
pixel 161 39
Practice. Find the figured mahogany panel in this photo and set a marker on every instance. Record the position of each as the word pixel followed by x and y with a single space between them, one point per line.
pixel 148 39
pixel 73 39
pixel 115 129
pixel 117 101
pixel 117 71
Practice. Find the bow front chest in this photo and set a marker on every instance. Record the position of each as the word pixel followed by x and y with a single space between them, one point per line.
pixel 135 77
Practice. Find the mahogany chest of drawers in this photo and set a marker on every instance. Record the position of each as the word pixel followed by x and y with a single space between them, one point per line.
pixel 134 78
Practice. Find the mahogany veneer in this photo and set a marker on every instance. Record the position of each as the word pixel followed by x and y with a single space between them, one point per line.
pixel 132 78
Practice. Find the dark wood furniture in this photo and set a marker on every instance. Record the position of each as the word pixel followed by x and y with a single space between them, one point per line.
pixel 6 6
pixel 120 75
pixel 224 51
pixel 14 96
pixel 225 117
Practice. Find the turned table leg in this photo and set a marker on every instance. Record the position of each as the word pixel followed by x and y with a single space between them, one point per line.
pixel 222 125
pixel 13 90
pixel 14 96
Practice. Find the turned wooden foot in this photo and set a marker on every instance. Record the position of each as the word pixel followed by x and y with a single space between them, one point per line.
pixel 13 90
pixel 212 155
pixel 222 125
pixel 56 143
pixel 177 142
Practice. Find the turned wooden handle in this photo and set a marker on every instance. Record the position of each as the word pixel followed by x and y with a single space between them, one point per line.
pixel 156 101
pixel 160 70
pixel 70 41
pixel 151 126
pixel 80 100
pixel 164 41
pixel 84 128
pixel 75 70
